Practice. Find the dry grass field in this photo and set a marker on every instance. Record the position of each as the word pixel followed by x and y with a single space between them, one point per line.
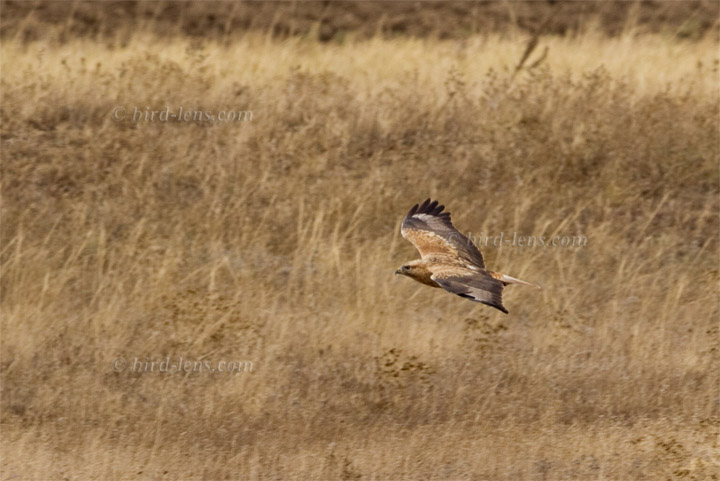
pixel 274 240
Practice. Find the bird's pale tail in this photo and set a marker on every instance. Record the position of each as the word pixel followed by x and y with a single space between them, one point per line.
pixel 511 280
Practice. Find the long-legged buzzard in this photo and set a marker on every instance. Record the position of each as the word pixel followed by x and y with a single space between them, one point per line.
pixel 449 259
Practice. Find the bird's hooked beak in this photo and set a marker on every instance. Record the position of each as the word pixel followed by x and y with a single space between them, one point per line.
pixel 398 271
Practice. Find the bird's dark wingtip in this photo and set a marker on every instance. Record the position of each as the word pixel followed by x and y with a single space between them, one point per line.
pixel 499 307
pixel 431 207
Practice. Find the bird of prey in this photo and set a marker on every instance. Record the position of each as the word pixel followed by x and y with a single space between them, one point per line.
pixel 449 259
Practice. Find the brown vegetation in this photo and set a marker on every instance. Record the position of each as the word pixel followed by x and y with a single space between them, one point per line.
pixel 337 20
pixel 275 241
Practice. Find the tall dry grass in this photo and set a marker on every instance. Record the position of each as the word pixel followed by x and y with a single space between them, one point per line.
pixel 275 241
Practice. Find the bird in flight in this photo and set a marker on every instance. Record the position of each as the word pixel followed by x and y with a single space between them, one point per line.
pixel 449 259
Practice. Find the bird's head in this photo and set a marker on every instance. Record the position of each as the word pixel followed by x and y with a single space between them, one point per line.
pixel 415 270
pixel 403 270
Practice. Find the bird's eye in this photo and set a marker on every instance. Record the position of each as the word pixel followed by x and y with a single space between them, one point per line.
pixel 406 268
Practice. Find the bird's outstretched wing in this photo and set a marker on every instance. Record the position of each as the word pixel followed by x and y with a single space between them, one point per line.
pixel 476 286
pixel 432 233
